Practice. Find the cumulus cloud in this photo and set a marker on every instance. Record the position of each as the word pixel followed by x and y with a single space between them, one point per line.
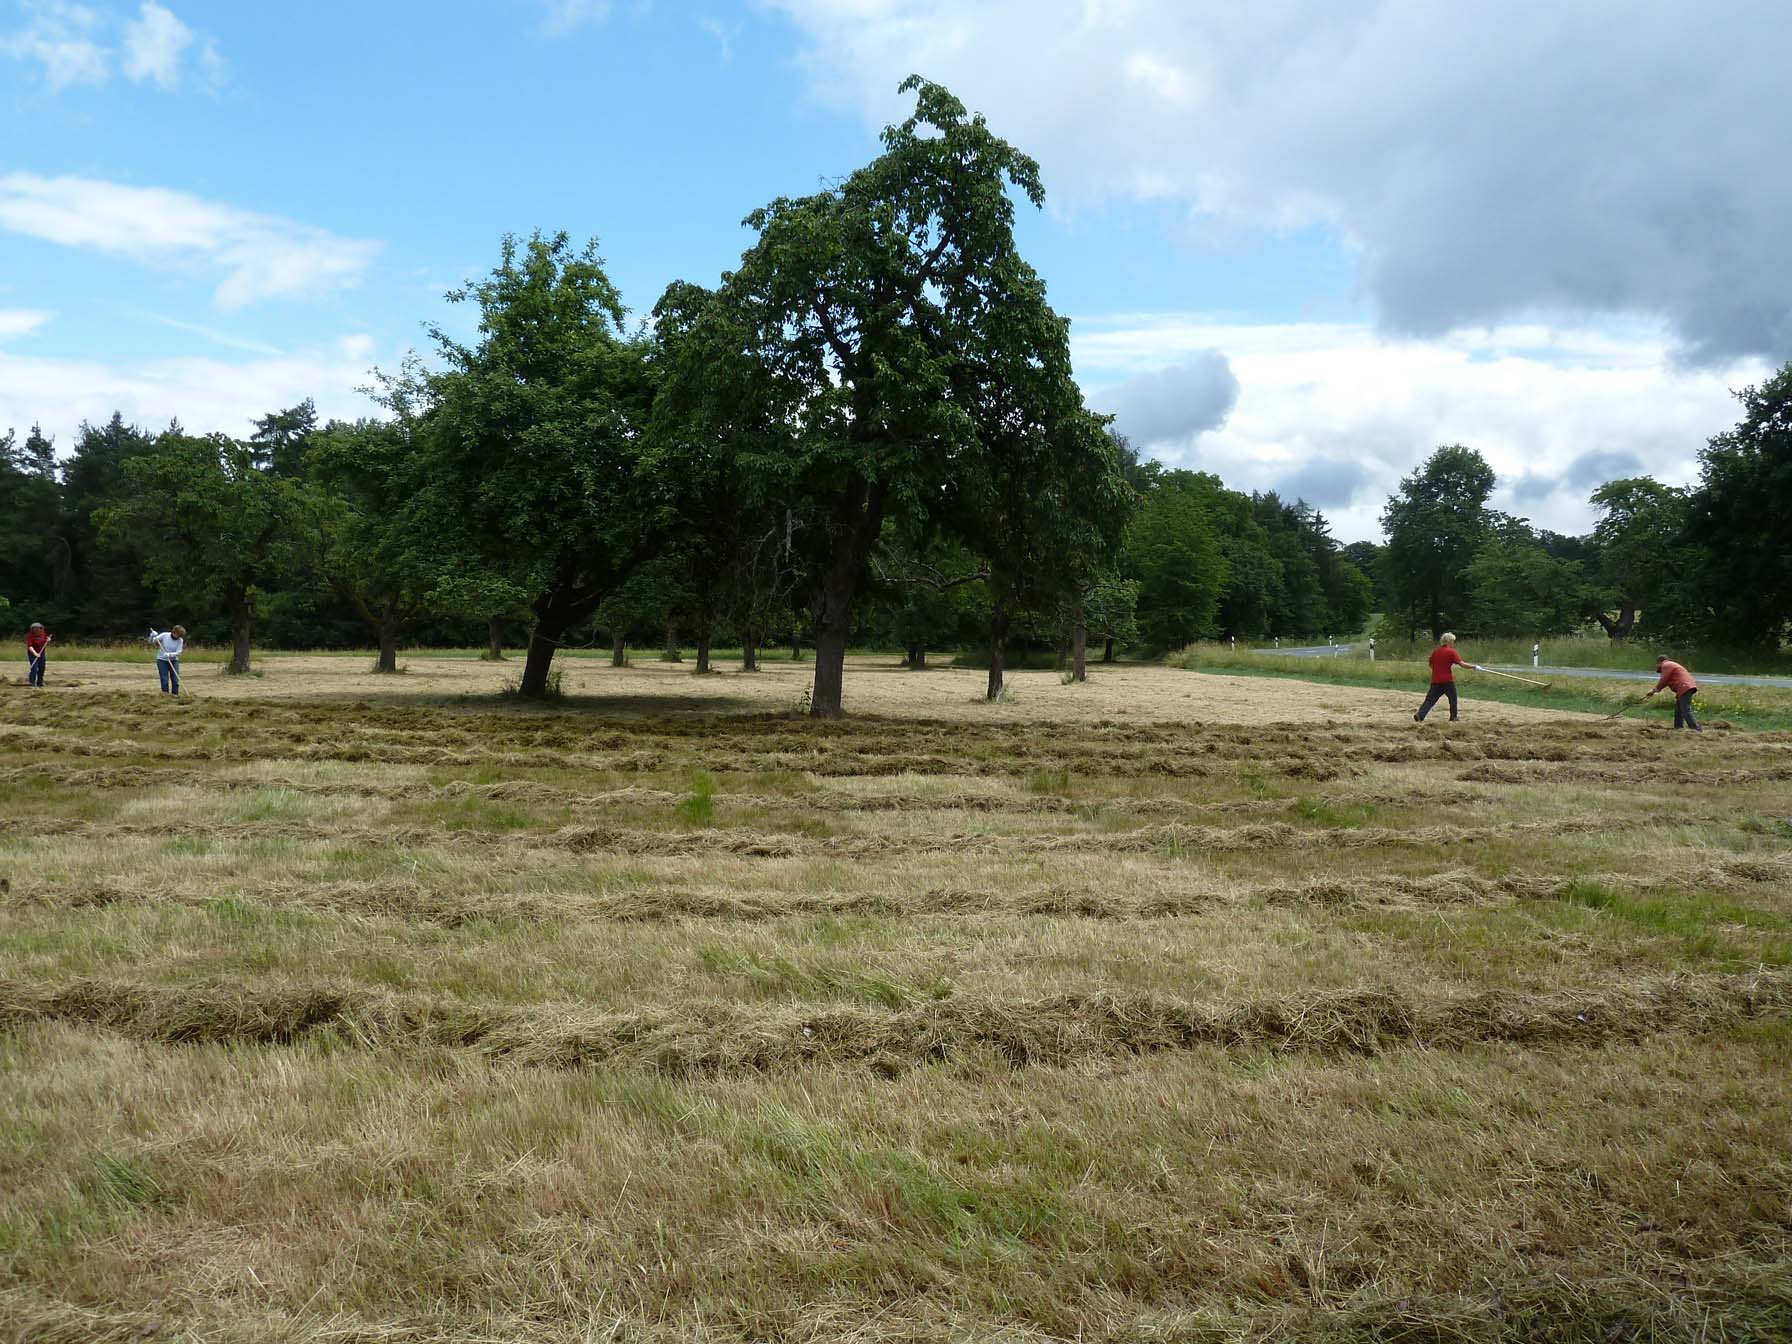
pixel 1484 161
pixel 153 44
pixel 564 16
pixel 1328 483
pixel 205 394
pixel 1173 405
pixel 61 40
pixel 78 44
pixel 255 256
pixel 1337 413
pixel 15 322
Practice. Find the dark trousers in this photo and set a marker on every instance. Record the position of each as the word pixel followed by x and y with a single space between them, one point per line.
pixel 1438 690
pixel 35 676
pixel 168 669
pixel 1683 711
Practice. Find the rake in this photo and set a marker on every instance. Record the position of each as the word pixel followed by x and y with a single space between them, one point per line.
pixel 1510 677
pixel 1625 708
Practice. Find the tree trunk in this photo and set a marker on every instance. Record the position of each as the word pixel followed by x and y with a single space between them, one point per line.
pixel 998 647
pixel 1621 628
pixel 702 654
pixel 1063 653
pixel 672 655
pixel 241 614
pixel 749 651
pixel 1107 651
pixel 858 517
pixel 544 640
pixel 618 649
pixel 388 638
pixel 1079 653
pixel 917 658
pixel 796 646
pixel 494 636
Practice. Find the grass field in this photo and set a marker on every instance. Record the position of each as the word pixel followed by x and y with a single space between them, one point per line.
pixel 1755 707
pixel 1162 1008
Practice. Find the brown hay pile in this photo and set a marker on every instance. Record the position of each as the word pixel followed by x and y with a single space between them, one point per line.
pixel 1054 1031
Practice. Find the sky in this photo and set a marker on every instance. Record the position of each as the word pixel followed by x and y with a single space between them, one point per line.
pixel 1301 244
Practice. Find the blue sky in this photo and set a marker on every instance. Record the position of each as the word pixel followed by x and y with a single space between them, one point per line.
pixel 1304 278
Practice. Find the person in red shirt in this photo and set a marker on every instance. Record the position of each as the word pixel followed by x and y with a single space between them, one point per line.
pixel 37 653
pixel 1677 679
pixel 1444 662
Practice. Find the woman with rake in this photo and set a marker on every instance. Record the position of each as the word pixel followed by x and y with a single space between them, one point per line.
pixel 170 644
pixel 37 653
pixel 1677 679
pixel 1444 662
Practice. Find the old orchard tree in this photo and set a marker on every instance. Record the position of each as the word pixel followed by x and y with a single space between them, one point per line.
pixel 531 494
pixel 851 360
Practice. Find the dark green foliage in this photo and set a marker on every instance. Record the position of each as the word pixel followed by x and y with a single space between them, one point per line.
pixel 1434 527
pixel 213 528
pixel 531 493
pixel 1738 516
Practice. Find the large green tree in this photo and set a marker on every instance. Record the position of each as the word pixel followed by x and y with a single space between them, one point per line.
pixel 1435 525
pixel 1642 557
pixel 34 553
pixel 1174 554
pixel 110 594
pixel 531 438
pixel 365 477
pixel 1738 515
pixel 845 357
pixel 214 529
pixel 1519 588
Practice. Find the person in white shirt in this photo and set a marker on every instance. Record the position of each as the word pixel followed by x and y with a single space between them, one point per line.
pixel 169 646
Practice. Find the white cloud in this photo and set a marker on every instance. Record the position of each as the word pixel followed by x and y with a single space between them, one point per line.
pixel 78 44
pixel 255 256
pixel 204 394
pixel 564 16
pixel 1337 413
pixel 1484 161
pixel 153 44
pixel 60 39
pixel 16 322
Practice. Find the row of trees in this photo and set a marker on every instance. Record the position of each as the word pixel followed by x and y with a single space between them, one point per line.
pixel 1703 564
pixel 867 429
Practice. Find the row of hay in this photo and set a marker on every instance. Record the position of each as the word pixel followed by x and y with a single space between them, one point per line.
pixel 411 900
pixel 1052 1031
pixel 1737 1301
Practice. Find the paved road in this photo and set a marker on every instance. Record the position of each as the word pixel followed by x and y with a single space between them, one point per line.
pixel 1525 669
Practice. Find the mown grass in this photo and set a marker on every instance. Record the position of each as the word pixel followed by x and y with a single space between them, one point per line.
pixel 403 1022
pixel 1753 707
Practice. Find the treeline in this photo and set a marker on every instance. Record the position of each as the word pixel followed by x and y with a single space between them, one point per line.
pixel 867 432
pixel 1706 564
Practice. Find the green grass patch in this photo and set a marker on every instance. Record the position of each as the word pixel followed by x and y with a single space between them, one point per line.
pixel 1763 708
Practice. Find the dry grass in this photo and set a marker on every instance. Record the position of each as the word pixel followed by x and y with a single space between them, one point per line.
pixel 1160 1008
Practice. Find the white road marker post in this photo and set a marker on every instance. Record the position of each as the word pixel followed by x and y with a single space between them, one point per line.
pixel 1371 648
pixel 1536 649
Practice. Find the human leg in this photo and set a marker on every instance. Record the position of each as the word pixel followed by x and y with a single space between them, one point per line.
pixel 1450 690
pixel 1683 715
pixel 174 675
pixel 162 673
pixel 1431 698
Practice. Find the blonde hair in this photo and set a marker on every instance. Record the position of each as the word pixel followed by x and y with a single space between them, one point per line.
pixel 1448 637
pixel 37 625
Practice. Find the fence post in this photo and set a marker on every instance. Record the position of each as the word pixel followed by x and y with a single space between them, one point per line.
pixel 1371 648
pixel 1536 649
